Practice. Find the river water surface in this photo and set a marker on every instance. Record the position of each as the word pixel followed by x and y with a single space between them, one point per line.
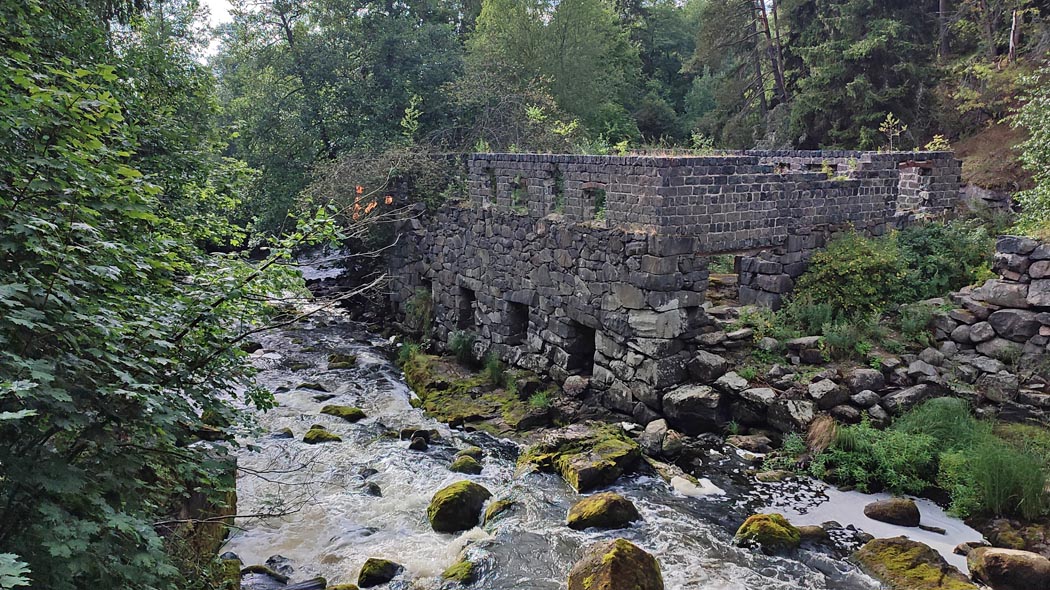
pixel 333 520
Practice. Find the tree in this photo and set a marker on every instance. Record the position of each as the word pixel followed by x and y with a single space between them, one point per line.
pixel 851 62
pixel 575 48
pixel 119 334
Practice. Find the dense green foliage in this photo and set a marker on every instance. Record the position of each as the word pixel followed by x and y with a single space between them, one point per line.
pixel 1035 117
pixel 856 274
pixel 119 333
pixel 940 445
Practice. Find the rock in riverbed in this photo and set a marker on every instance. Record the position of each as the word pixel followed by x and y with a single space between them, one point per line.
pixel 586 455
pixel 616 564
pixel 771 532
pixel 377 571
pixel 604 511
pixel 348 413
pixel 898 511
pixel 1009 569
pixel 457 507
pixel 903 564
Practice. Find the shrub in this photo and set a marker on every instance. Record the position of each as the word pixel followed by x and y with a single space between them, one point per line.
pixel 406 353
pixel 855 274
pixel 865 457
pixel 419 311
pixel 809 316
pixel 461 344
pixel 495 370
pixel 946 419
pixel 541 400
pixel 915 323
pixel 1006 480
pixel 944 257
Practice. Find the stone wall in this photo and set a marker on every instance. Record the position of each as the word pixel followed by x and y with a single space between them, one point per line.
pixel 598 265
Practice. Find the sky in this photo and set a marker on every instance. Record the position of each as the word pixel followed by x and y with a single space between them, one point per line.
pixel 219 9
pixel 218 13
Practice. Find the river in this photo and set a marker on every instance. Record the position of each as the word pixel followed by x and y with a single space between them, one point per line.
pixel 366 496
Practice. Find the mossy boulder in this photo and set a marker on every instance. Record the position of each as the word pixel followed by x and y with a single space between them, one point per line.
pixel 348 413
pixel 344 587
pixel 319 435
pixel 474 452
pixel 466 465
pixel 587 456
pixel 341 361
pixel 604 511
pixel 312 386
pixel 898 511
pixel 462 571
pixel 903 564
pixel 1009 569
pixel 377 571
pixel 283 433
pixel 497 508
pixel 262 570
pixel 457 507
pixel 615 565
pixel 770 532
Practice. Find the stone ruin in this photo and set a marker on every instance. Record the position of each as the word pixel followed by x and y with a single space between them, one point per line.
pixel 598 265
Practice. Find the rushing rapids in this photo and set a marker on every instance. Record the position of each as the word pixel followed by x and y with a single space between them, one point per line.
pixel 329 507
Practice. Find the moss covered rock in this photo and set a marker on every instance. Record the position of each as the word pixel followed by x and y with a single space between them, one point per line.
pixel 457 507
pixel 474 452
pixel 343 587
pixel 462 571
pixel 348 413
pixel 903 564
pixel 465 464
pixel 319 435
pixel 1009 569
pixel 377 571
pixel 603 511
pixel 615 565
pixel 341 361
pixel 497 508
pixel 586 455
pixel 770 532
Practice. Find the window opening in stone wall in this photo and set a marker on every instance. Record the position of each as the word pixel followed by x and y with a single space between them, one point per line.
pixel 517 323
pixel 580 349
pixel 519 191
pixel 597 196
pixel 465 303
pixel 558 206
pixel 492 185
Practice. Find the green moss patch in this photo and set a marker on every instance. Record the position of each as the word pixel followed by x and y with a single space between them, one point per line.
pixel 771 532
pixel 466 464
pixel 586 456
pixel 319 435
pixel 348 413
pixel 462 571
pixel 903 564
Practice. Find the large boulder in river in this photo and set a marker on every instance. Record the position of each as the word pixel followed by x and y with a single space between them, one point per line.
pixel 377 571
pixel 770 532
pixel 317 435
pixel 898 511
pixel 696 408
pixel 603 511
pixel 1009 569
pixel 903 564
pixel 457 507
pixel 348 413
pixel 615 565
pixel 466 464
pixel 587 456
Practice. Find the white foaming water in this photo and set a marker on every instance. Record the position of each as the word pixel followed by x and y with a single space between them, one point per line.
pixel 333 524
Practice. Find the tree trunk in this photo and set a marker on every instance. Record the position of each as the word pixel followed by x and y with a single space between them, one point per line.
pixel 942 20
pixel 762 19
pixel 1015 34
pixel 311 92
pixel 989 29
